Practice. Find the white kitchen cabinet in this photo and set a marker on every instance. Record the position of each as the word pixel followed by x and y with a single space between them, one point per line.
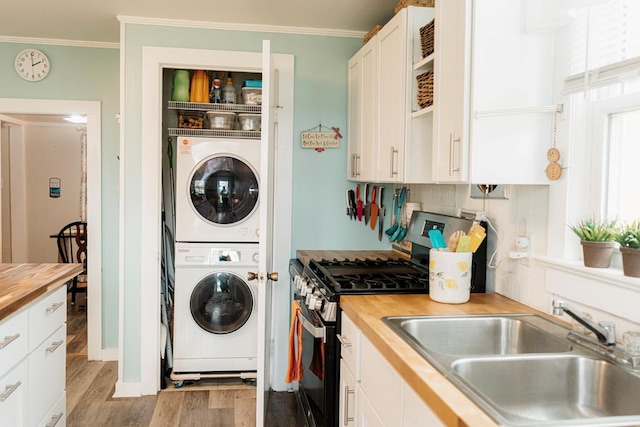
pixel 362 113
pixel 389 147
pixel 33 363
pixel 372 393
pixel 451 91
pixel 511 83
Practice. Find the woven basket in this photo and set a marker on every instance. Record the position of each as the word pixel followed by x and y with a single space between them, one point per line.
pixel 190 119
pixel 372 33
pixel 425 89
pixel 404 3
pixel 427 39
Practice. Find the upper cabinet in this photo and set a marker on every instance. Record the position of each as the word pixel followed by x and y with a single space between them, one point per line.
pixel 382 144
pixel 490 119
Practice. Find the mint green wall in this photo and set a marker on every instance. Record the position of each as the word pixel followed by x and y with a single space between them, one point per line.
pixel 320 86
pixel 83 74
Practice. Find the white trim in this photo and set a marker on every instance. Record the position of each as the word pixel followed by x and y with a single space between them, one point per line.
pixel 607 75
pixel 121 228
pixel 109 354
pixel 125 19
pixel 94 201
pixel 59 42
pixel 127 389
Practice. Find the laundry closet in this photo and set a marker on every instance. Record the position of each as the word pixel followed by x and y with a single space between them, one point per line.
pixel 211 182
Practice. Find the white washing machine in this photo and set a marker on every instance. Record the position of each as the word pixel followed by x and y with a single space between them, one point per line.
pixel 217 189
pixel 215 326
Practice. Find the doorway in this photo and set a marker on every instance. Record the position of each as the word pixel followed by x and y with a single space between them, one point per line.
pixel 92 110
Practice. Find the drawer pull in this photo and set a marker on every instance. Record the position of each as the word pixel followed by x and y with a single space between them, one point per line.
pixel 347 418
pixel 8 340
pixel 54 307
pixel 8 391
pixel 343 340
pixel 54 346
pixel 54 420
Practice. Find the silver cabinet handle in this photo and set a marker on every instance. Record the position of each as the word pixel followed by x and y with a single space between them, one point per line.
pixel 54 420
pixel 347 418
pixel 8 340
pixel 54 346
pixel 343 340
pixel 357 165
pixel 394 152
pixel 353 165
pixel 452 140
pixel 54 307
pixel 8 391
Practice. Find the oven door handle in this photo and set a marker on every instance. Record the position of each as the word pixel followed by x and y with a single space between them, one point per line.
pixel 311 328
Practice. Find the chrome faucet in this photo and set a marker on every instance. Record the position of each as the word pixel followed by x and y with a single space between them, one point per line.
pixel 604 331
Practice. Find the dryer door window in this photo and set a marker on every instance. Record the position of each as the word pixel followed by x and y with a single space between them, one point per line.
pixel 221 303
pixel 224 190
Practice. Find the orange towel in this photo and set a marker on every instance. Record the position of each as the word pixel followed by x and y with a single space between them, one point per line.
pixel 317 361
pixel 294 368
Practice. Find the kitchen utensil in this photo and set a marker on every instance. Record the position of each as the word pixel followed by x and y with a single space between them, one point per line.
pixel 374 209
pixel 380 215
pixel 367 204
pixel 358 203
pixel 395 235
pixel 452 243
pixel 476 238
pixel 437 241
pixel 464 244
pixel 348 205
pixel 394 219
pixel 352 202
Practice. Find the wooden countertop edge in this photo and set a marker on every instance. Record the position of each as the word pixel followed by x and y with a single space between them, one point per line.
pixel 18 303
pixel 453 407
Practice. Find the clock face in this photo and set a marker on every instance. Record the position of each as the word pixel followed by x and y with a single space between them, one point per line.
pixel 32 65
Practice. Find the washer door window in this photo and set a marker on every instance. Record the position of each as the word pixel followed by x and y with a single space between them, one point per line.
pixel 224 190
pixel 221 303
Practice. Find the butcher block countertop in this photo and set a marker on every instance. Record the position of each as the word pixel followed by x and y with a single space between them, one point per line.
pixel 22 283
pixel 305 255
pixel 449 403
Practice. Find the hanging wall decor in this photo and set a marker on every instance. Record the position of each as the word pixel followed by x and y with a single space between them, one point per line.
pixel 320 137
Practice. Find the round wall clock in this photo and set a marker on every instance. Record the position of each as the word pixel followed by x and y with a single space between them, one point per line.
pixel 32 65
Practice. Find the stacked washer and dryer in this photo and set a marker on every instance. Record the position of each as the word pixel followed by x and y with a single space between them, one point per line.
pixel 217 228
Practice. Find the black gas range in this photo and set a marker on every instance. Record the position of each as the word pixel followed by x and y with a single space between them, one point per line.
pixel 318 286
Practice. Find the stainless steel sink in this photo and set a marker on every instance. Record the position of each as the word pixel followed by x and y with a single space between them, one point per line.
pixel 548 390
pixel 523 370
pixel 481 335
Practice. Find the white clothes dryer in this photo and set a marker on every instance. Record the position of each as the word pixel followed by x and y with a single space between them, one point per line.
pixel 215 327
pixel 217 189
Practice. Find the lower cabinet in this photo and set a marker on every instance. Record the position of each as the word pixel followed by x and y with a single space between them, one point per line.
pixel 33 352
pixel 379 397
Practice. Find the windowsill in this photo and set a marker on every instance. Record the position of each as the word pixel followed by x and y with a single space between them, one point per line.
pixel 609 275
pixel 607 289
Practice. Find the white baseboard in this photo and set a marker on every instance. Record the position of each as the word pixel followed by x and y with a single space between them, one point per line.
pixel 127 389
pixel 109 354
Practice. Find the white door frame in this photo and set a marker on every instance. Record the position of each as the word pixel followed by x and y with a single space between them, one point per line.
pixel 92 110
pixel 154 59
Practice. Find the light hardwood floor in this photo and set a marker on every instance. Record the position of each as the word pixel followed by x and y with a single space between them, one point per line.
pixel 215 403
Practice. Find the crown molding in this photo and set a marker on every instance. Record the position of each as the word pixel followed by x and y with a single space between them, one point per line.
pixel 59 42
pixel 239 27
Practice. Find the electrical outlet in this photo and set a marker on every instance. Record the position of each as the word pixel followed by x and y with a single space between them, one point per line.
pixel 499 192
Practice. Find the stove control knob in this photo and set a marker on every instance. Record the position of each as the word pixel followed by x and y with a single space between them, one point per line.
pixel 311 301
pixel 318 304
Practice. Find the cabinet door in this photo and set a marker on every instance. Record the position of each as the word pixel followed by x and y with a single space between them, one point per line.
pixel 452 90
pixel 367 416
pixel 381 383
pixel 14 340
pixel 348 397
pixel 416 412
pixel 362 83
pixel 392 98
pixel 13 390
pixel 47 366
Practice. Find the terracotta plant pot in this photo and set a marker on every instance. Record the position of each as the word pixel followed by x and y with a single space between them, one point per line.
pixel 597 254
pixel 630 262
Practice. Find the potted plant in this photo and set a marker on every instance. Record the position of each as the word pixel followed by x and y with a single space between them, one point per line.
pixel 628 236
pixel 597 237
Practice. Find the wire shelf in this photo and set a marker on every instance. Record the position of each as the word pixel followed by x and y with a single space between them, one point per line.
pixel 216 133
pixel 201 106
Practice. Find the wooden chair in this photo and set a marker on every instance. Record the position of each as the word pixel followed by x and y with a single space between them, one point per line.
pixel 72 248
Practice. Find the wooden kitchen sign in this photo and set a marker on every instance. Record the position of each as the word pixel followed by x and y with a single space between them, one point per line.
pixel 318 138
